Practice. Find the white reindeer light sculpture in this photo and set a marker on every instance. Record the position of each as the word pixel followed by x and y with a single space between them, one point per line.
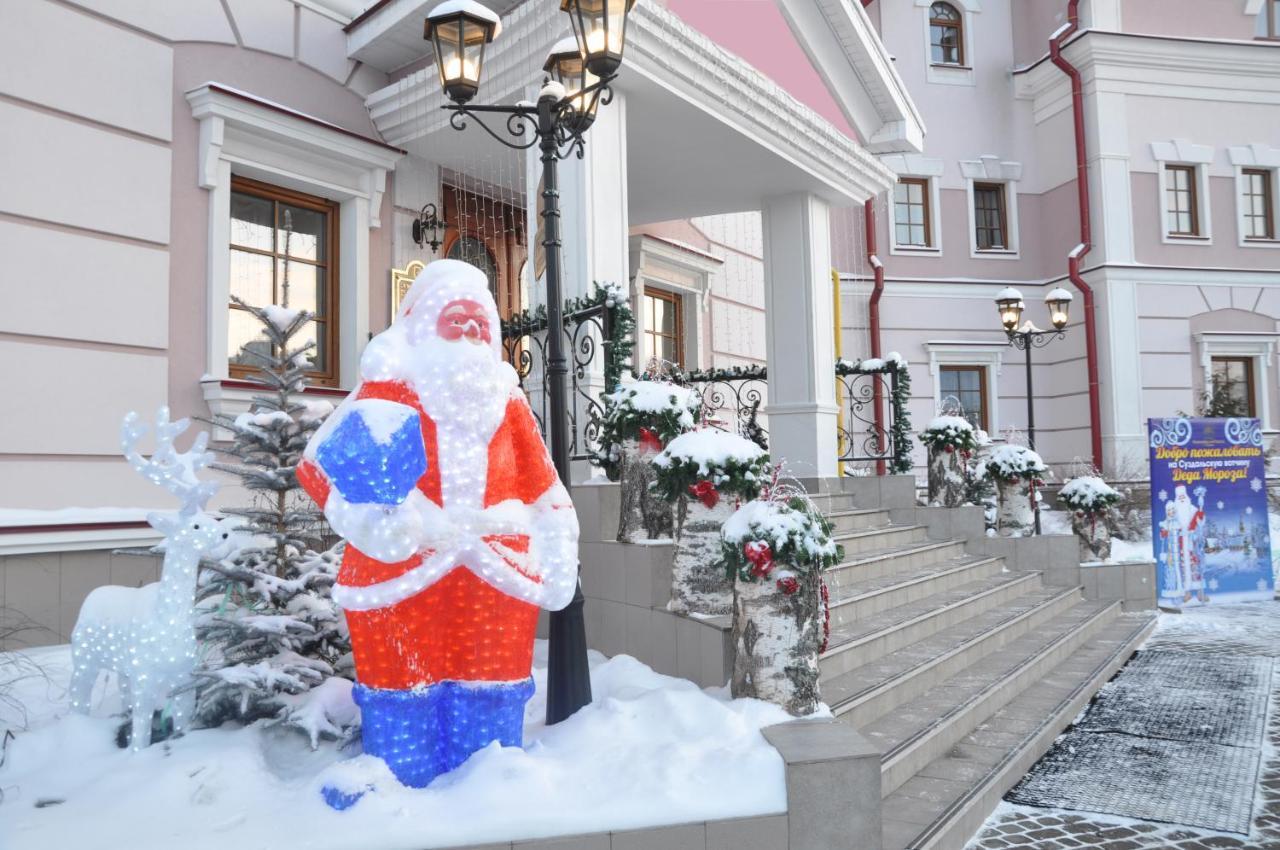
pixel 145 635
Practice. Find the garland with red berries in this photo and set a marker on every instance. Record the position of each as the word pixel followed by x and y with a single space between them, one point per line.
pixel 684 468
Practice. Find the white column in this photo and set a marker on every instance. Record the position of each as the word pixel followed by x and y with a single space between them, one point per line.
pixel 799 334
pixel 1123 426
pixel 218 284
pixel 1109 180
pixel 353 318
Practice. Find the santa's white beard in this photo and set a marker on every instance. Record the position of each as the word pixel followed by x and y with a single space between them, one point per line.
pixel 1184 511
pixel 461 384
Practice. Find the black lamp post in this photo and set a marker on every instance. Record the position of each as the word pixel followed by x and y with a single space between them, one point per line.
pixel 580 72
pixel 1026 336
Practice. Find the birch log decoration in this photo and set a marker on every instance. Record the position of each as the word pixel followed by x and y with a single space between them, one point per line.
pixel 639 417
pixel 950 440
pixel 1090 500
pixel 776 552
pixel 706 473
pixel 1017 471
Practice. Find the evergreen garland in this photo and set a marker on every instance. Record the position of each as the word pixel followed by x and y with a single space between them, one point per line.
pixel 951 434
pixel 790 534
pixel 678 471
pixel 622 420
pixel 620 320
pixel 899 398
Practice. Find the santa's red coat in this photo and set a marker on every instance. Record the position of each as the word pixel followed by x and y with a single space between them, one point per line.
pixel 461 628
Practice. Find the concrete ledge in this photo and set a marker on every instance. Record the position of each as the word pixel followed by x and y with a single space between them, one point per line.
pixel 963 523
pixel 1132 583
pixel 1055 555
pixel 833 785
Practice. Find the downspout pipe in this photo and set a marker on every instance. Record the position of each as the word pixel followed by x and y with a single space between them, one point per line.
pixel 873 316
pixel 1086 229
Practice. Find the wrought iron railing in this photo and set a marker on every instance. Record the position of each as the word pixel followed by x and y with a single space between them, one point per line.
pixel 731 399
pixel 863 434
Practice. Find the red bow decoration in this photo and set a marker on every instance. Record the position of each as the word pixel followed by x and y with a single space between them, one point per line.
pixel 704 491
pixel 760 556
pixel 788 585
pixel 649 441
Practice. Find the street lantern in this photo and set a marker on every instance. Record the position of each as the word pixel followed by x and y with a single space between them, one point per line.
pixel 1059 304
pixel 459 30
pixel 1009 303
pixel 565 65
pixel 600 27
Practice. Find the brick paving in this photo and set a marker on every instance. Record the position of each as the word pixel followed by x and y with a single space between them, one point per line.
pixel 1235 631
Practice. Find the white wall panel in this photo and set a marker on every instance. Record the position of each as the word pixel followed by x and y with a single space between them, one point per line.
pixel 113 291
pixel 61 400
pixel 126 80
pixel 175 20
pixel 58 170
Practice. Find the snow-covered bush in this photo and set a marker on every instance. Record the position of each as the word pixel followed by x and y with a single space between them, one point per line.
pixel 1010 462
pixel 1088 495
pixel 1090 500
pixel 950 434
pixel 270 631
pixel 709 464
pixel 705 474
pixel 775 549
pixel 644 410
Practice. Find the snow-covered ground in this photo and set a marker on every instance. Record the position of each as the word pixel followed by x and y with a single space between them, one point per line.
pixel 649 750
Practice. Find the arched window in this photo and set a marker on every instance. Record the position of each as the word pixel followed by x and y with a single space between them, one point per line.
pixel 946 34
pixel 471 250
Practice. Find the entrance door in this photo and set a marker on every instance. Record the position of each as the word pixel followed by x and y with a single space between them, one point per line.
pixel 490 235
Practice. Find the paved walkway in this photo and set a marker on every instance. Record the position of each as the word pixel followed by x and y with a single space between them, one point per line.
pixel 1242 630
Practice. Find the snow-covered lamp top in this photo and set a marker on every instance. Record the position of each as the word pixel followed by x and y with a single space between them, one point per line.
pixel 567 67
pixel 459 31
pixel 1059 302
pixel 1009 303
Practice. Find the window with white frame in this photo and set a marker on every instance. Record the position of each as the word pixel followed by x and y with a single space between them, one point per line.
pixel 947 30
pixel 1237 376
pixel 1268 21
pixel 993 206
pixel 946 35
pixel 966 372
pixel 1184 190
pixel 1257 190
pixel 913 213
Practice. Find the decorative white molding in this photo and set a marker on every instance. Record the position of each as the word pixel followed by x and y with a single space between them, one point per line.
pixel 1255 155
pixel 988 167
pixel 1204 216
pixel 950 75
pixel 963 352
pixel 1181 150
pixel 849 55
pixel 913 164
pixel 246 135
pixel 1252 7
pixel 1260 347
pixel 77 540
pixel 933 187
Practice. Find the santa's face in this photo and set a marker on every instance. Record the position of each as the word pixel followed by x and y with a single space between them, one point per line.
pixel 464 319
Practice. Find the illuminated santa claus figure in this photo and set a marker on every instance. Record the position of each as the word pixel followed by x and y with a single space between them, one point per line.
pixel 458 530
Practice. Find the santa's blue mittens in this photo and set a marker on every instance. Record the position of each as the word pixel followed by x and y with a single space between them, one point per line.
pixel 375 454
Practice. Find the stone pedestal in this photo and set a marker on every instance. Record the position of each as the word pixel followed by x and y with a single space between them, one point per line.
pixel 1094 536
pixel 777 639
pixel 1014 517
pixel 946 478
pixel 698 583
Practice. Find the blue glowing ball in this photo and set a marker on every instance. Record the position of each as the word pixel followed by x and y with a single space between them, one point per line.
pixel 366 471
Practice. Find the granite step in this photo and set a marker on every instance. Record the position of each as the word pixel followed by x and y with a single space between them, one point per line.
pixel 927 726
pixel 857 520
pixel 879 539
pixel 866 640
pixel 856 598
pixel 946 801
pixel 866 694
pixel 858 567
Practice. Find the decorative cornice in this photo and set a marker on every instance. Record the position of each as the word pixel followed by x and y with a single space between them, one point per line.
pixel 990 167
pixel 1181 150
pixel 913 164
pixel 1260 155
pixel 241 127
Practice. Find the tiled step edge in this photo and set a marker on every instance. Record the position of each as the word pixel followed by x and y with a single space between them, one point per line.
pixel 956 824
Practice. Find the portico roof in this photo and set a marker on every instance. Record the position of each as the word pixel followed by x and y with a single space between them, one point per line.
pixel 705 132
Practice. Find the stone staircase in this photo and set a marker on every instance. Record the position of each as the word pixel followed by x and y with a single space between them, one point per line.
pixel 959 663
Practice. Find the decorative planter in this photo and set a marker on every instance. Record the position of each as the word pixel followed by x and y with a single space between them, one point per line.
pixel 1090 500
pixel 706 473
pixel 776 552
pixel 1017 471
pixel 778 635
pixel 950 440
pixel 639 417
pixel 698 584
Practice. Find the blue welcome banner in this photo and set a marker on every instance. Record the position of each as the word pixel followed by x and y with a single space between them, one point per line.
pixel 1209 511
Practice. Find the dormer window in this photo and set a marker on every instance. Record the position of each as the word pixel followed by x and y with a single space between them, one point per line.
pixel 946 35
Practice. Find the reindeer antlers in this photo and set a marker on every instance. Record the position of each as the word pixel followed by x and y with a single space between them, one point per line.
pixel 174 471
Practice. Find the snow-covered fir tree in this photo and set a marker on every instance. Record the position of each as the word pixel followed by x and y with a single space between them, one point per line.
pixel 275 645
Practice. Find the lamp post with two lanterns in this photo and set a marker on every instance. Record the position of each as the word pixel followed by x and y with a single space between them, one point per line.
pixel 579 70
pixel 1026 336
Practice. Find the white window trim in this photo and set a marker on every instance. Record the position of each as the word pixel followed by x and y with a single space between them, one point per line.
pixel 990 169
pixel 245 135
pixel 650 257
pixel 915 166
pixel 1183 152
pixel 1256 157
pixel 1260 347
pixel 987 355
pixel 951 75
